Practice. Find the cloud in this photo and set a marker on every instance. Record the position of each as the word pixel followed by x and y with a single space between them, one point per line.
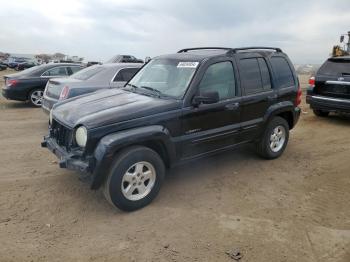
pixel 97 30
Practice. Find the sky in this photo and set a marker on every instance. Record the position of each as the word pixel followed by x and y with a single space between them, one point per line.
pixel 99 29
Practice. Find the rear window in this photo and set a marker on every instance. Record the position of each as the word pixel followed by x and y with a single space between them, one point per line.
pixel 335 67
pixel 283 72
pixel 125 74
pixel 75 69
pixel 87 73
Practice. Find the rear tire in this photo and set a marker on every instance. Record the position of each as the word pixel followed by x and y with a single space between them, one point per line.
pixel 134 179
pixel 275 138
pixel 321 113
pixel 35 97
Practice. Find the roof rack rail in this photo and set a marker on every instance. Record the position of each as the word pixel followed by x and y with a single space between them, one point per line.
pixel 203 48
pixel 257 48
pixel 231 50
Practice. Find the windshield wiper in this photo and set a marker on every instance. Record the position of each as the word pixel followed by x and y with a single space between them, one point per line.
pixel 152 89
pixel 132 85
pixel 159 93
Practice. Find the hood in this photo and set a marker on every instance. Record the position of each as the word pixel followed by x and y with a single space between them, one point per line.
pixel 108 107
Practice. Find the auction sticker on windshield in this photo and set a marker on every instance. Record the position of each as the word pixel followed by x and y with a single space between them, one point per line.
pixel 188 64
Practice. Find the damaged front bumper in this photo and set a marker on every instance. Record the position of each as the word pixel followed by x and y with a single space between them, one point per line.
pixel 70 160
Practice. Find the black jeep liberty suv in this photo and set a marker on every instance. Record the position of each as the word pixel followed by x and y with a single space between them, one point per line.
pixel 178 107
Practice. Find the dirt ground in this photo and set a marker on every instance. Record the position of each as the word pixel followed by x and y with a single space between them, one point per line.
pixel 295 208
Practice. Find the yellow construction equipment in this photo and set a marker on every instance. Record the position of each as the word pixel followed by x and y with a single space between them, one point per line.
pixel 338 50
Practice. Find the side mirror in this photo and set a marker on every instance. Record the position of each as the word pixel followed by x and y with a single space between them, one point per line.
pixel 341 39
pixel 209 97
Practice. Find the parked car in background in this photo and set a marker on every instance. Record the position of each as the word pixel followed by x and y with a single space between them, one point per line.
pixel 124 59
pixel 91 63
pixel 25 65
pixel 178 107
pixel 3 66
pixel 88 80
pixel 14 63
pixel 29 84
pixel 329 89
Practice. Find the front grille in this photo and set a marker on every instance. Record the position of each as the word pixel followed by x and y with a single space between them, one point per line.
pixel 61 134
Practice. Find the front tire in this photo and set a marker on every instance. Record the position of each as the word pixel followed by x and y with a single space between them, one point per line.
pixel 321 113
pixel 274 139
pixel 134 179
pixel 35 97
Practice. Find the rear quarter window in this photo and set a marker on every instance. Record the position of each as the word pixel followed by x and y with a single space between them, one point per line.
pixel 283 72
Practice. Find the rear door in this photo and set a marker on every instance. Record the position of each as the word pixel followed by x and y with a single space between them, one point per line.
pixel 123 76
pixel 258 94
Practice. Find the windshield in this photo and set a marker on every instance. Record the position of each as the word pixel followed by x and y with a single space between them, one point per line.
pixel 88 72
pixel 165 76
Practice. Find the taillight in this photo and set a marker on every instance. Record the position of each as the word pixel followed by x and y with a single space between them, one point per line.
pixel 11 82
pixel 299 96
pixel 64 93
pixel 312 81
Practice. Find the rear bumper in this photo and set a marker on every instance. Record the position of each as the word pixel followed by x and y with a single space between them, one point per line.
pixel 13 94
pixel 47 104
pixel 329 104
pixel 69 160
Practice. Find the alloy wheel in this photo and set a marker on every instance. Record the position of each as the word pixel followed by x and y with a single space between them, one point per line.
pixel 277 138
pixel 138 181
pixel 36 97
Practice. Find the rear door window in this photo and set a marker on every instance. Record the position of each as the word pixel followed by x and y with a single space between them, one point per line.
pixel 283 72
pixel 265 74
pixel 250 75
pixel 56 71
pixel 125 74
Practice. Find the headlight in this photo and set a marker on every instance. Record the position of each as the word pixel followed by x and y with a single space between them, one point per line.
pixel 81 136
pixel 50 118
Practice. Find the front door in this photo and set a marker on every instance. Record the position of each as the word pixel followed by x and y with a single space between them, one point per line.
pixel 210 127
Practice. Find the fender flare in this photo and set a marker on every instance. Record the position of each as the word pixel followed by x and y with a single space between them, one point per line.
pixel 281 107
pixel 112 143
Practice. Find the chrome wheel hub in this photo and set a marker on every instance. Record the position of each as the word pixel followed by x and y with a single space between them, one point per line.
pixel 37 97
pixel 138 181
pixel 277 138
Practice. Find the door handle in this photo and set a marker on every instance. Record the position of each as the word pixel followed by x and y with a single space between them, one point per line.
pixel 233 106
